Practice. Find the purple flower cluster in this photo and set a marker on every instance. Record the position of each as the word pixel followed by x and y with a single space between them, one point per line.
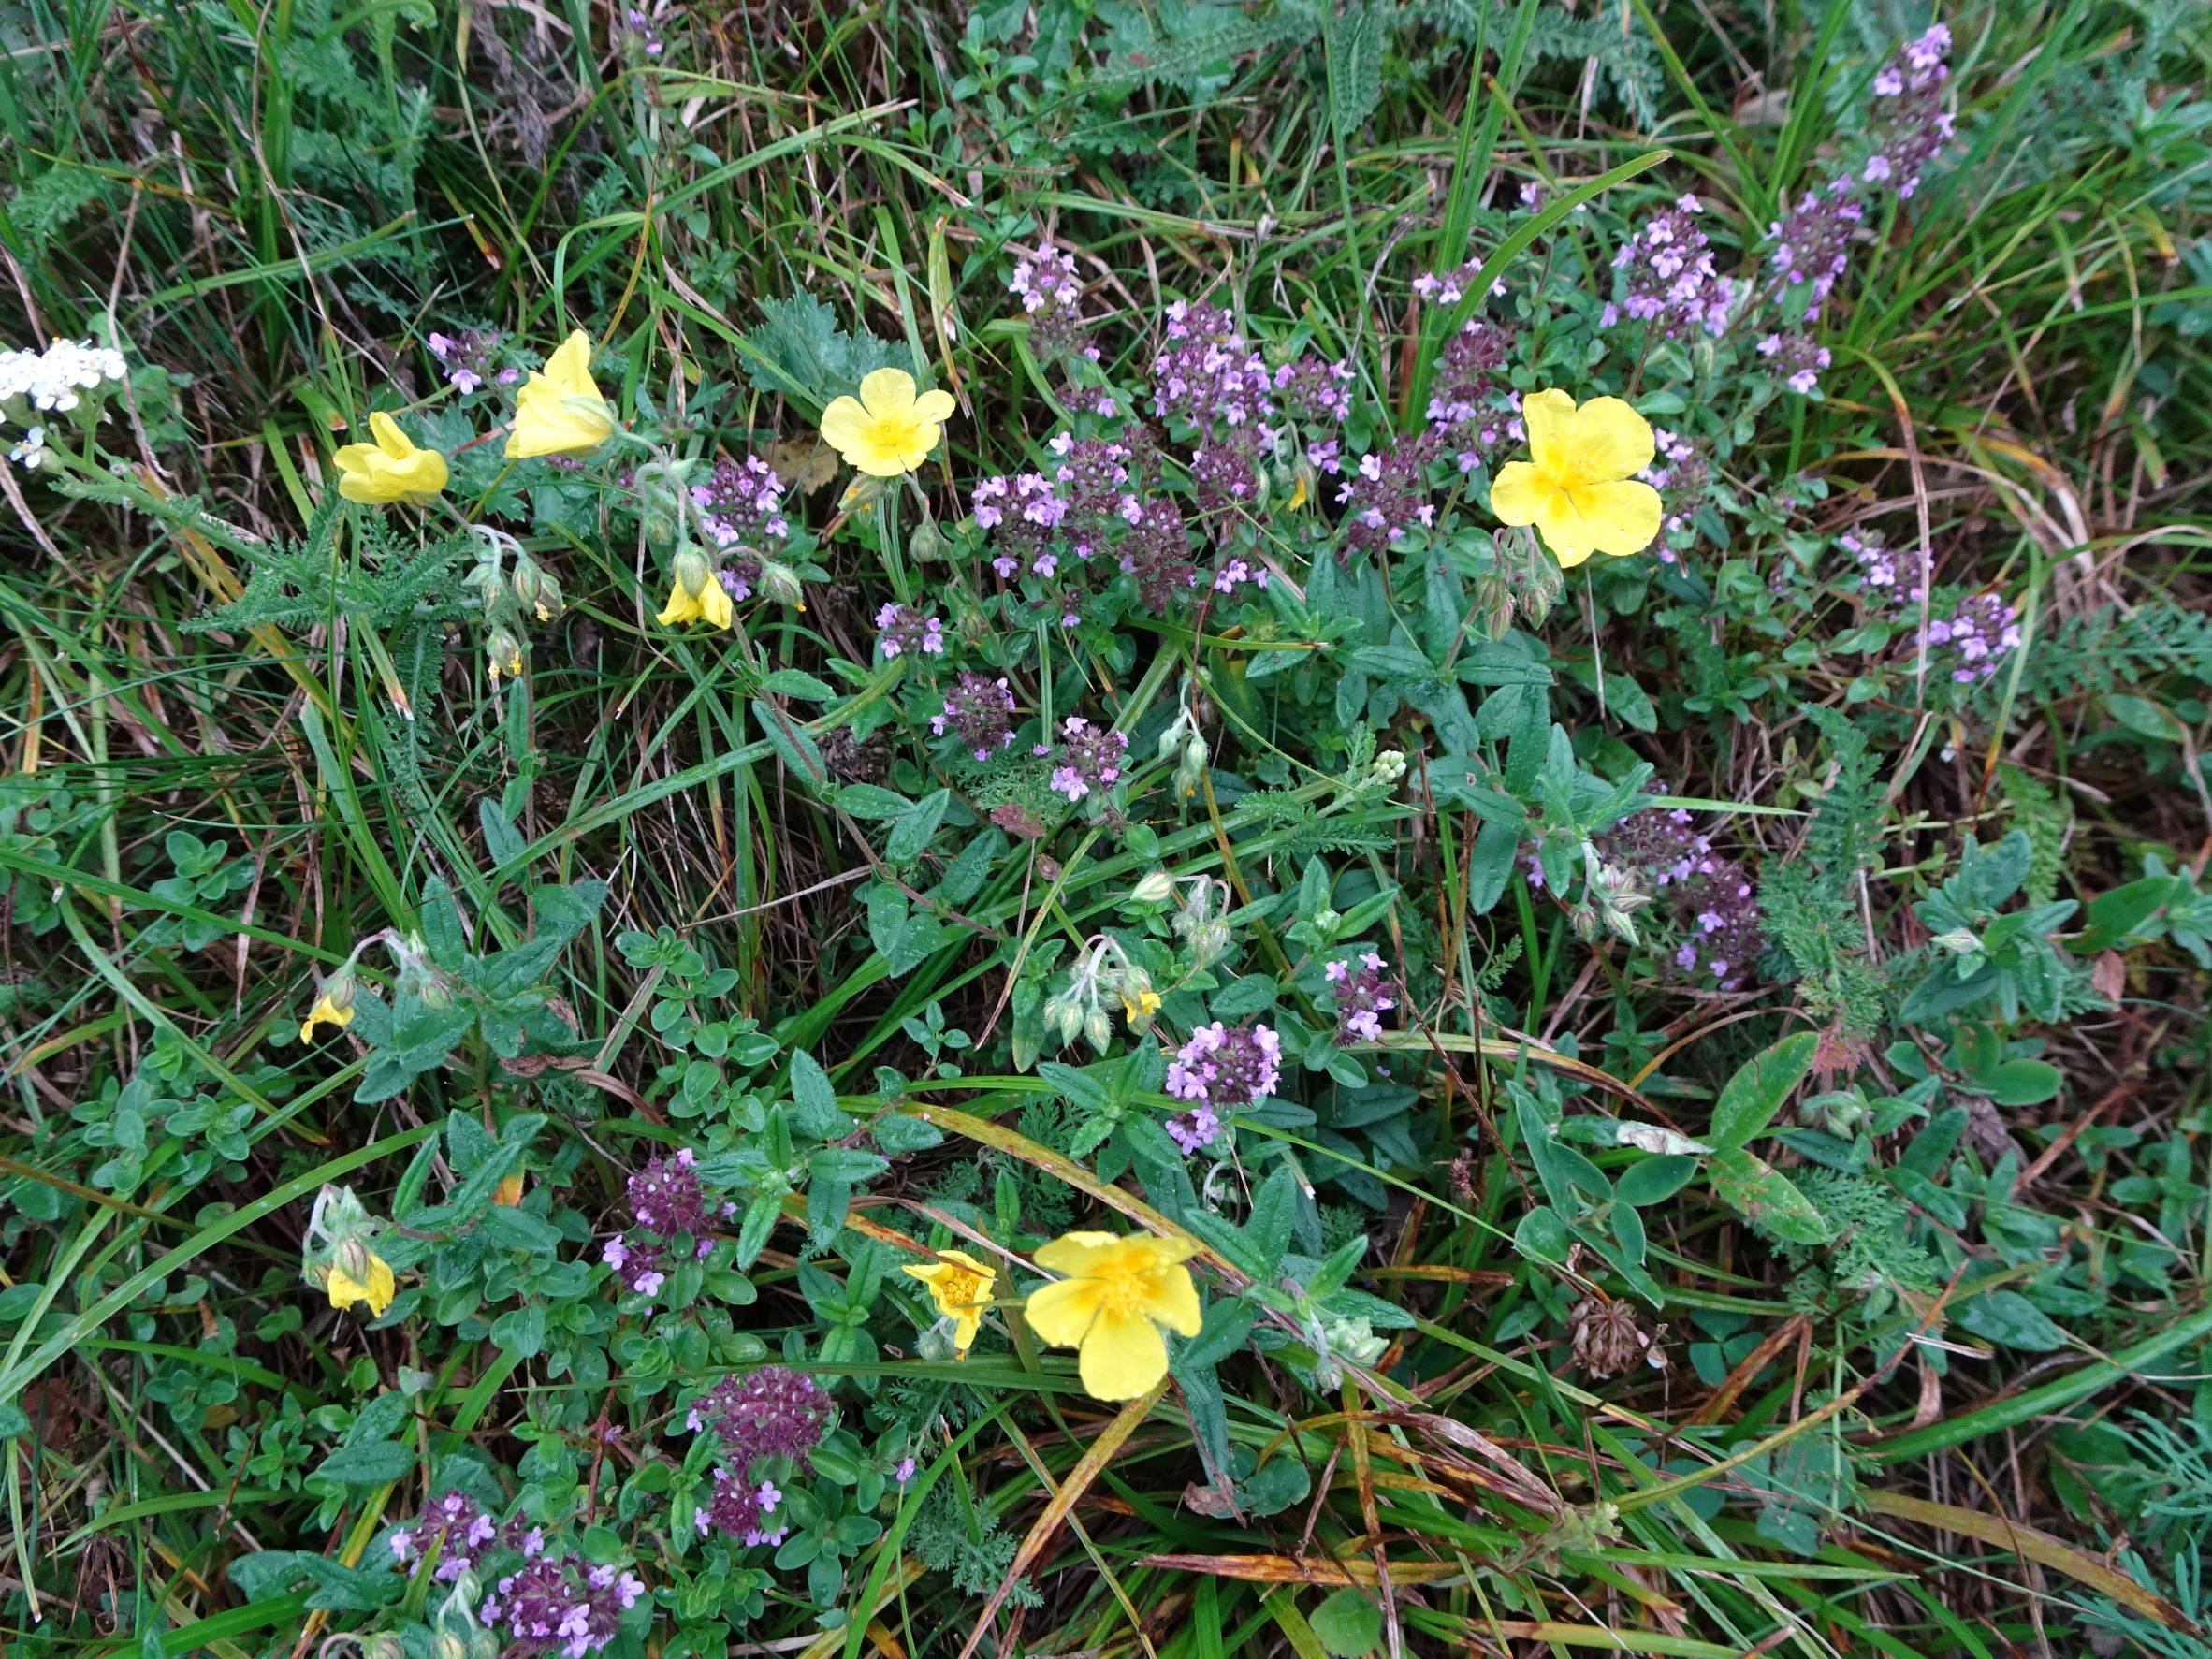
pixel 1910 124
pixel 740 1509
pixel 1387 494
pixel 1670 281
pixel 741 503
pixel 1207 374
pixel 1799 359
pixel 1884 579
pixel 467 358
pixel 1469 396
pixel 1982 630
pixel 1045 283
pixel 1450 287
pixel 641 32
pixel 1313 388
pixel 667 1204
pixel 1236 573
pixel 902 630
pixel 1194 1131
pixel 979 711
pixel 1090 760
pixel 1812 241
pixel 1683 476
pixel 772 1411
pixel 458 1531
pixel 566 1606
pixel 1055 526
pixel 1227 1066
pixel 1362 996
pixel 1715 916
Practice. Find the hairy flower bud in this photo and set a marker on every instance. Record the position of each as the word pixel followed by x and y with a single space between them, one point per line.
pixel 1191 772
pixel 535 589
pixel 927 546
pixel 1156 888
pixel 781 583
pixel 1099 1028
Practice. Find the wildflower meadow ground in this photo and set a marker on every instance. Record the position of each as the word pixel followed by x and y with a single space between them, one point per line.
pixel 1106 827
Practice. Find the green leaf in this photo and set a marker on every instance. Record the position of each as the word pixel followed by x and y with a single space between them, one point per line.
pixel 797 682
pixel 1752 1097
pixel 1348 1624
pixel 909 836
pixel 2021 1083
pixel 801 352
pixel 1542 1236
pixel 376 1464
pixel 1766 1198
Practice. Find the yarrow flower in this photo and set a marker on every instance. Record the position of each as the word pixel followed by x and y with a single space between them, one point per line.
pixel 54 379
pixel 1579 488
pixel 1670 282
pixel 1362 996
pixel 1090 760
pixel 902 630
pixel 978 710
pixel 1114 1295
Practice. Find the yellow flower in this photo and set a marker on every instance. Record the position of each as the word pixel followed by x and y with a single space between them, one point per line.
pixel 1580 490
pixel 1139 1004
pixel 1117 1293
pixel 887 429
pixel 559 410
pixel 695 594
pixel 961 1288
pixel 334 1007
pixel 389 470
pixel 360 1274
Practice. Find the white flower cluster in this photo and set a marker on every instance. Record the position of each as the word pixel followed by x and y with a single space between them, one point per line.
pixel 51 379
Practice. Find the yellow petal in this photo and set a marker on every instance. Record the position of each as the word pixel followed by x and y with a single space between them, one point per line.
pixel 935 407
pixel 1074 1252
pixel 714 604
pixel 1612 440
pixel 1123 1356
pixel 569 366
pixel 1174 1301
pixel 1062 1312
pixel 344 1289
pixel 1622 518
pixel 965 1326
pixel 389 438
pixel 888 392
pixel 844 425
pixel 382 1285
pixel 1516 493
pixel 1549 416
pixel 324 1013
pixel 682 606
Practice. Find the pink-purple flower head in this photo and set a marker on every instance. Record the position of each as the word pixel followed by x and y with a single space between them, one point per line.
pixel 902 630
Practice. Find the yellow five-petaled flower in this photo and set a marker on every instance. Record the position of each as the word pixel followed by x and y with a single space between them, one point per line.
pixel 1579 488
pixel 392 469
pixel 359 1274
pixel 887 429
pixel 1116 1295
pixel 960 1286
pixel 559 410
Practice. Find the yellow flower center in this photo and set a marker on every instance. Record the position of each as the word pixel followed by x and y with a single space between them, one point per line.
pixel 1124 1287
pixel 896 434
pixel 961 1288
